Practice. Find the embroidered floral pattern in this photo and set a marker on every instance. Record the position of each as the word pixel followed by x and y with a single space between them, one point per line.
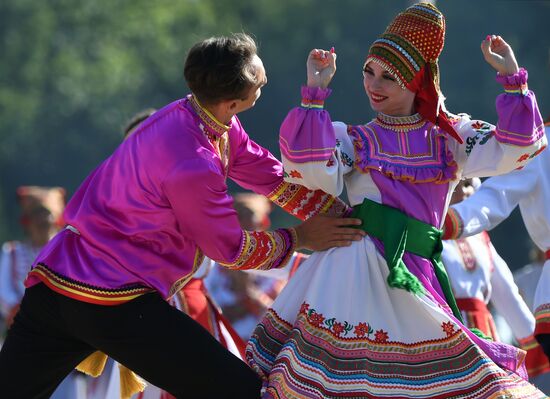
pixel 453 119
pixel 537 152
pixel 477 125
pixel 346 159
pixel 298 359
pixel 381 336
pixel 342 328
pixel 524 157
pixel 338 328
pixel 448 328
pixel 362 329
pixel 484 131
pixel 295 174
pixel 316 318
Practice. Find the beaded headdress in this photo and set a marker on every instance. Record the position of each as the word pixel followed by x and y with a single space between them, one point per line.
pixel 409 50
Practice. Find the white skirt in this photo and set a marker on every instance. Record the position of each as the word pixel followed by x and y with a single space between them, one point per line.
pixel 339 331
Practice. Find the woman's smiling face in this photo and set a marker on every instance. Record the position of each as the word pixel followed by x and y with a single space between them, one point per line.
pixel 384 92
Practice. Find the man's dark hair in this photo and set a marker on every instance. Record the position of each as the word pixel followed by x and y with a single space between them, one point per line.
pixel 220 68
pixel 136 120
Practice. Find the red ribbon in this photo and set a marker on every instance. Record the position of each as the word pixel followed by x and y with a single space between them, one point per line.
pixel 426 101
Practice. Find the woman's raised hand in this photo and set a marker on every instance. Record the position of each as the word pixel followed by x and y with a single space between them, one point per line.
pixel 499 55
pixel 321 67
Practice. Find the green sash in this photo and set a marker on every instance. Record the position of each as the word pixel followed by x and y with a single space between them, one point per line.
pixel 401 233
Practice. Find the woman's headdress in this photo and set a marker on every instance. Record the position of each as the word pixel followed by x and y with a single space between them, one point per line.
pixel 409 50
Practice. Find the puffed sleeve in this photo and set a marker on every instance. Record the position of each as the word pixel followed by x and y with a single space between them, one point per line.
pixel 256 169
pixel 204 210
pixel 315 151
pixel 490 150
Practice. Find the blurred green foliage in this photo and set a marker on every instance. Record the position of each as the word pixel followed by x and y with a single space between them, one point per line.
pixel 73 71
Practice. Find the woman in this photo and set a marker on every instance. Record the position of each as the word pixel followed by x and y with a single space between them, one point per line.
pixel 378 319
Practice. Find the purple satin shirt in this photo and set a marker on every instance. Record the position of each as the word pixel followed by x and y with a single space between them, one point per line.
pixel 143 219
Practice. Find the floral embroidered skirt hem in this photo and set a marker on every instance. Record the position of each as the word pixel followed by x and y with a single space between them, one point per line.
pixel 339 331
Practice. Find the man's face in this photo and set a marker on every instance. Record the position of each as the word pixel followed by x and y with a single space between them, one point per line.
pixel 255 91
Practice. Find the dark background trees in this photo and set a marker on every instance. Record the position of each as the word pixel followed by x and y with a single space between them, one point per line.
pixel 73 71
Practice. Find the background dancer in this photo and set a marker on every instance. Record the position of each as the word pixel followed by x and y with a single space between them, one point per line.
pixel 478 275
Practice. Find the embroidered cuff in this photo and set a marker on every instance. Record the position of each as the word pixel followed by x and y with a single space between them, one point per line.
pixel 527 343
pixel 264 250
pixel 453 226
pixel 515 84
pixel 304 203
pixel 542 318
pixel 290 244
pixel 536 361
pixel 314 97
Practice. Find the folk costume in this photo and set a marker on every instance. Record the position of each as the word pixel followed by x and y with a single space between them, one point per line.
pixel 15 263
pixel 38 205
pixel 478 275
pixel 18 256
pixel 138 228
pixel 378 319
pixel 527 279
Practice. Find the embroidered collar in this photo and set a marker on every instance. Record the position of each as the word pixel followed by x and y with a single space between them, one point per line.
pixel 211 125
pixel 399 123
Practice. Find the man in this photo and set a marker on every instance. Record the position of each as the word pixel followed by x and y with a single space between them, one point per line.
pixel 478 275
pixel 139 226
